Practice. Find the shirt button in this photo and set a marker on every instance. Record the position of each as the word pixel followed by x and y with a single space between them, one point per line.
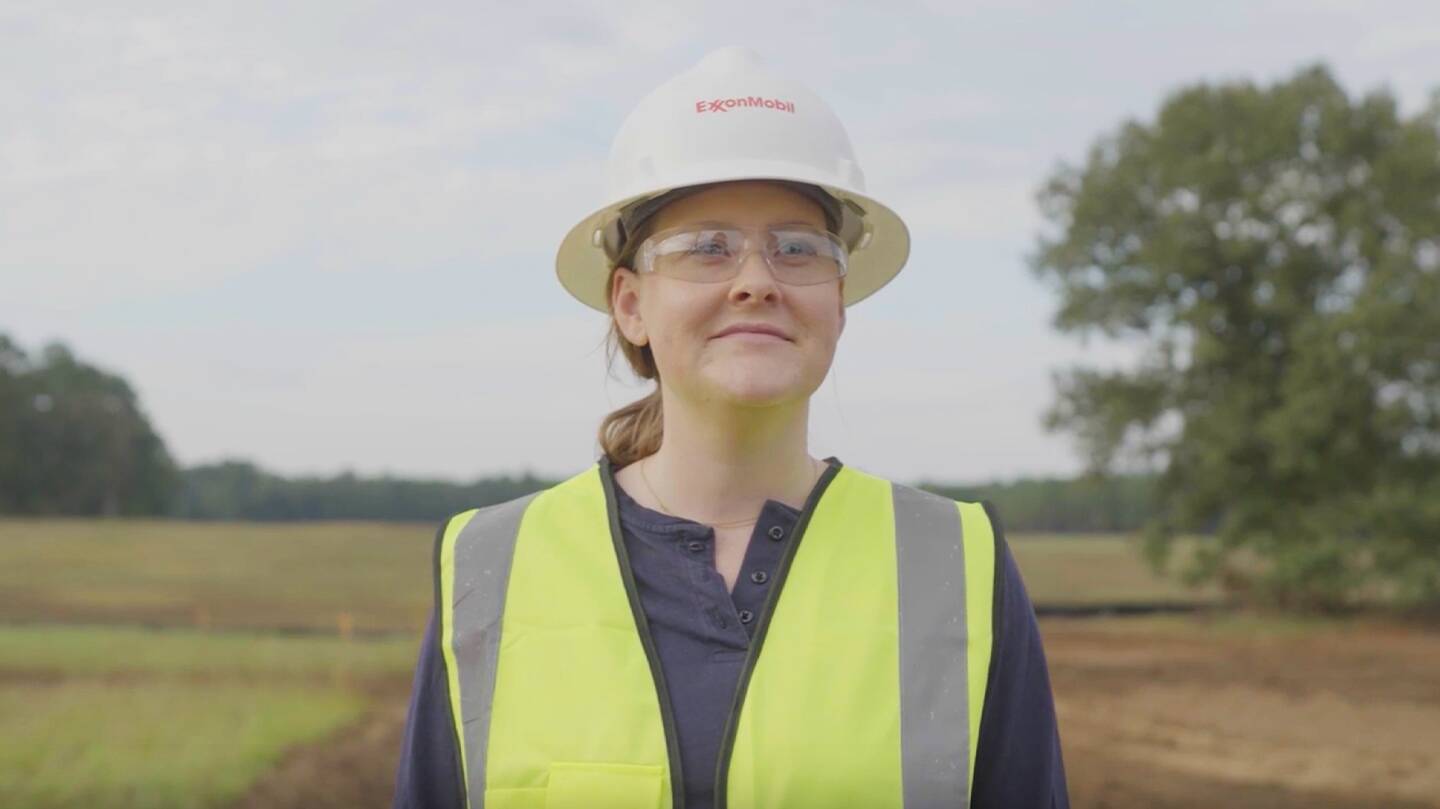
pixel 746 616
pixel 696 546
pixel 777 533
pixel 759 576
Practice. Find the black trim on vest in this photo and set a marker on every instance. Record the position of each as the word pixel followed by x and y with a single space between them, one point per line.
pixel 440 642
pixel 727 741
pixel 642 624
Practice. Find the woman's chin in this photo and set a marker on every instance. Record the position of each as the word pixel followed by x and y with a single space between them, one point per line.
pixel 760 388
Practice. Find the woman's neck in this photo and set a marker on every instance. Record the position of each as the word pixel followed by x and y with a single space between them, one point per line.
pixel 720 467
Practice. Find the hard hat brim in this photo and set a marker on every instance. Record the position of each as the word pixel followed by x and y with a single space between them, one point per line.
pixel 583 267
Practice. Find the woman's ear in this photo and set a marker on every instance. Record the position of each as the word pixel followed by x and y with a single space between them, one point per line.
pixel 625 303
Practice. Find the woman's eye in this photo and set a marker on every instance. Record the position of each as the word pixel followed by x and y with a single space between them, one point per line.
pixel 797 247
pixel 710 244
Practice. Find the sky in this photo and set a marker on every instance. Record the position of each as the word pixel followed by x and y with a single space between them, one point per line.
pixel 320 236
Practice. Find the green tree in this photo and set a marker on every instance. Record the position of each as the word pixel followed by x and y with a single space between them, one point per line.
pixel 13 365
pixel 1275 251
pixel 74 441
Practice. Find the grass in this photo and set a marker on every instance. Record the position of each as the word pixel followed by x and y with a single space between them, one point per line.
pixel 1095 569
pixel 98 651
pixel 152 746
pixel 170 719
pixel 375 575
pixel 216 574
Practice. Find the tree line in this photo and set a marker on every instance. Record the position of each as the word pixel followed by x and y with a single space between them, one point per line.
pixel 239 490
pixel 74 441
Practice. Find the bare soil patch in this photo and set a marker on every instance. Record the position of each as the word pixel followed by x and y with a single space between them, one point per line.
pixel 1174 715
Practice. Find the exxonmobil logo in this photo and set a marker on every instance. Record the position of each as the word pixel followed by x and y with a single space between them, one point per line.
pixel 727 104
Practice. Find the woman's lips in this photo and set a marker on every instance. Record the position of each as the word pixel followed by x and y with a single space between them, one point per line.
pixel 756 328
pixel 752 336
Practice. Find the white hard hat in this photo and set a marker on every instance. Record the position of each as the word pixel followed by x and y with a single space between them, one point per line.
pixel 730 118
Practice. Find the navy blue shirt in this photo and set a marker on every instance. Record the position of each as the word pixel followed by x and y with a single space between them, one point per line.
pixel 702 632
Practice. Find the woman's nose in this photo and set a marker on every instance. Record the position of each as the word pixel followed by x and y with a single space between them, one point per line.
pixel 753 279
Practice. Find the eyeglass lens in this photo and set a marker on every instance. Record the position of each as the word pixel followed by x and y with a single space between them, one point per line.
pixel 796 255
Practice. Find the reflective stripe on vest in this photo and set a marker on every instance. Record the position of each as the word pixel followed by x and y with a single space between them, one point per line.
pixel 862 687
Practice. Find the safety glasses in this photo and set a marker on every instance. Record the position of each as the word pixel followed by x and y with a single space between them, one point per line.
pixel 798 255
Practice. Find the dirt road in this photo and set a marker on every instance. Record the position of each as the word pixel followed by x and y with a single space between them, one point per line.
pixel 1153 714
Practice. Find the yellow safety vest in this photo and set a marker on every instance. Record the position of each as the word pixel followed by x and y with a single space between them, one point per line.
pixel 863 685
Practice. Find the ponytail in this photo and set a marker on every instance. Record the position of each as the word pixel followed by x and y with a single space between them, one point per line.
pixel 635 430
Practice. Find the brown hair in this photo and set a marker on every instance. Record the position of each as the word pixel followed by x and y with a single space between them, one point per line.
pixel 634 431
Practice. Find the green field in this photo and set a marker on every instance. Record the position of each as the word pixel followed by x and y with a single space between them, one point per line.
pixel 313 575
pixel 260 575
pixel 152 743
pixel 1093 570
pixel 66 651
pixel 140 667
pixel 130 718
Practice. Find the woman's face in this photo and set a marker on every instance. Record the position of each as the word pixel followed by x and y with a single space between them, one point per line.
pixel 681 320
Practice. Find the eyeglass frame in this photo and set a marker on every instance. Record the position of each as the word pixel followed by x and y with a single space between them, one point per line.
pixel 643 259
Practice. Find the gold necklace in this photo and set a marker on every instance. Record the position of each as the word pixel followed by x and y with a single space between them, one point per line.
pixel 669 511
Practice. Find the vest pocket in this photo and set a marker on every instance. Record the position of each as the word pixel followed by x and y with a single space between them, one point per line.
pixel 590 785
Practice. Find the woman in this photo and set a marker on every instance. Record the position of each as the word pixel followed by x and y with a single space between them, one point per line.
pixel 599 644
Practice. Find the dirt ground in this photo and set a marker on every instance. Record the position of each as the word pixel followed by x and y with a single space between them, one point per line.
pixel 354 768
pixel 1155 714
